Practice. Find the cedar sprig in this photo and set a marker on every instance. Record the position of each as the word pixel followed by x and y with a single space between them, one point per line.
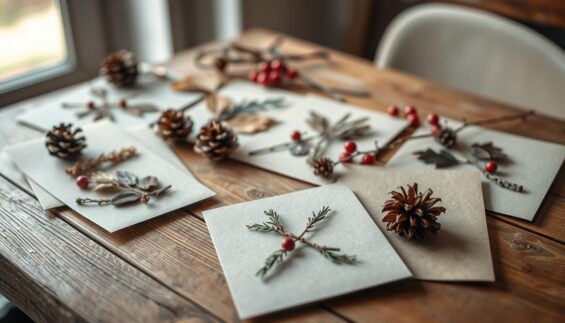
pixel 275 225
pixel 114 157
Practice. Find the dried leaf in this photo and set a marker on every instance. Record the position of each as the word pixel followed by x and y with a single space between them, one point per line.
pixel 125 198
pixel 486 151
pixel 148 183
pixel 251 123
pixel 218 104
pixel 103 186
pixel 127 178
pixel 442 159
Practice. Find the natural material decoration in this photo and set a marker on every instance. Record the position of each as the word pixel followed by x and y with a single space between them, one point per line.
pixel 412 214
pixel 132 188
pixel 216 141
pixel 104 108
pixel 486 151
pixel 272 65
pixel 120 68
pixel 174 126
pixel 113 158
pixel 64 142
pixel 289 242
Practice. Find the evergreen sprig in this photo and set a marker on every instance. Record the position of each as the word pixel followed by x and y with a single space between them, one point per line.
pixel 275 225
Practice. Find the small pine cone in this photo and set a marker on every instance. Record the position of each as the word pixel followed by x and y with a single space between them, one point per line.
pixel 174 126
pixel 64 142
pixel 446 137
pixel 412 214
pixel 120 68
pixel 216 141
pixel 323 167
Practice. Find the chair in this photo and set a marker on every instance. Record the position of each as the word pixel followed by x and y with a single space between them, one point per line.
pixel 477 52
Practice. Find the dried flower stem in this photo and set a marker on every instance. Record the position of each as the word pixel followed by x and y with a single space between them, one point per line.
pixel 114 157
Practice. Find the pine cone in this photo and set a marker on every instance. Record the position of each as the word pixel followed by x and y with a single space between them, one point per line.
pixel 323 166
pixel 64 142
pixel 412 214
pixel 120 68
pixel 216 141
pixel 446 137
pixel 174 126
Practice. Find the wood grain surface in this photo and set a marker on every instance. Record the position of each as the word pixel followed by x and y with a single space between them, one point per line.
pixel 58 266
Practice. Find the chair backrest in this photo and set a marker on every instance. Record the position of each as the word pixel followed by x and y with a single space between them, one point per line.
pixel 477 52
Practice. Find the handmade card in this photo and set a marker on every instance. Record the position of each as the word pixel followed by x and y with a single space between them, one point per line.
pixel 97 99
pixel 154 173
pixel 459 250
pixel 145 136
pixel 291 160
pixel 526 164
pixel 312 244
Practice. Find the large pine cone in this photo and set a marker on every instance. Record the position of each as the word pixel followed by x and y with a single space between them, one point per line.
pixel 412 214
pixel 446 137
pixel 216 141
pixel 120 68
pixel 323 167
pixel 64 142
pixel 174 126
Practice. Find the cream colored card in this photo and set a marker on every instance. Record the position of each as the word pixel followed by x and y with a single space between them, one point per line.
pixel 102 137
pixel 384 127
pixel 532 163
pixel 305 276
pixel 145 136
pixel 460 251
pixel 149 90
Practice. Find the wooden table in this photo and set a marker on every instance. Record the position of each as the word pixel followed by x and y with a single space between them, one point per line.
pixel 58 266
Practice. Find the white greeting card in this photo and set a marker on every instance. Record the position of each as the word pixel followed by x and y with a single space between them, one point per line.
pixel 148 91
pixel 384 129
pixel 304 276
pixel 460 251
pixel 102 137
pixel 534 164
pixel 145 136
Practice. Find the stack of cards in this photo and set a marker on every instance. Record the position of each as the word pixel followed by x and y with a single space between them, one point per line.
pixel 103 137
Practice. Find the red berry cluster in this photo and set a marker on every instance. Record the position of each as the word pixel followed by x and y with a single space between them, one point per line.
pixel 272 73
pixel 350 148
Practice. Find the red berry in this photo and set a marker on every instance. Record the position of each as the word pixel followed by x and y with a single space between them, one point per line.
pixel 253 76
pixel 414 120
pixel 82 181
pixel 90 105
pixel 122 103
pixel 278 65
pixel 344 157
pixel 295 135
pixel 350 146
pixel 265 67
pixel 287 244
pixel 436 128
pixel 368 159
pixel 263 78
pixel 491 166
pixel 274 78
pixel 292 73
pixel 433 118
pixel 408 110
pixel 393 110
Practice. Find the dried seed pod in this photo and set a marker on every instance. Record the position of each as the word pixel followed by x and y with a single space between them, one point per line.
pixel 412 214
pixel 64 142
pixel 174 126
pixel 216 141
pixel 120 68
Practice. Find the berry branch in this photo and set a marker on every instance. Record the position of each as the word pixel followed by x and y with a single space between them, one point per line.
pixel 288 244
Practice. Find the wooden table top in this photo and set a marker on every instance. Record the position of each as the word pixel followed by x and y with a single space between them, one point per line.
pixel 57 266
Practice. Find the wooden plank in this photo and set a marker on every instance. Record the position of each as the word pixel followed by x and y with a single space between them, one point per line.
pixel 56 274
pixel 530 273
